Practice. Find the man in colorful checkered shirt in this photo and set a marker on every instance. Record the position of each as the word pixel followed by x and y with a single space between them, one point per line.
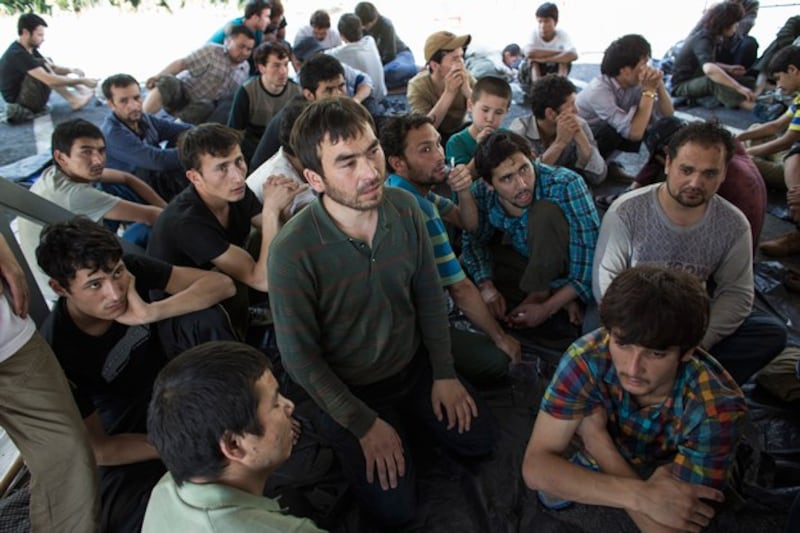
pixel 659 419
pixel 548 217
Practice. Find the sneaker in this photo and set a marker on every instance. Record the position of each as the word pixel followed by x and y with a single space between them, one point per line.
pixel 784 245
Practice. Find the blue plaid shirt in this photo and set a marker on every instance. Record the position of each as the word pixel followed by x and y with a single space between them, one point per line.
pixel 558 185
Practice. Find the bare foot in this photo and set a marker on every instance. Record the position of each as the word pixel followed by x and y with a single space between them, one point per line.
pixel 747 105
pixel 90 83
pixel 80 100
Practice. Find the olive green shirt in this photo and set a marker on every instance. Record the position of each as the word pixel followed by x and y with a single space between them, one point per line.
pixel 350 314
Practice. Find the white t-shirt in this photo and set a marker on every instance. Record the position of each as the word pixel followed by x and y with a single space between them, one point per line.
pixel 363 56
pixel 14 331
pixel 331 40
pixel 560 42
pixel 79 198
pixel 279 164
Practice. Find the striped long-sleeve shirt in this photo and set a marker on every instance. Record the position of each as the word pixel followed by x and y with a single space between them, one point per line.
pixel 347 313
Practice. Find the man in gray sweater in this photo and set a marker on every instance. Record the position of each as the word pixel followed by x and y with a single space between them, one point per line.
pixel 683 224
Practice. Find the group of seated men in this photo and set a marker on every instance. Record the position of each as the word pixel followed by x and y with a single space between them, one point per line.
pixel 356 270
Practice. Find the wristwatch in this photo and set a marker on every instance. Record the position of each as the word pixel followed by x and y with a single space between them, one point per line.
pixel 651 94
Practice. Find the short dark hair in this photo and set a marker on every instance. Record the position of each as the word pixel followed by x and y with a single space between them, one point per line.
pixel 656 308
pixel 721 16
pixel 547 10
pixel 395 131
pixel 704 133
pixel 366 11
pixel 206 139
pixel 333 118
pixel 512 49
pixel 29 22
pixel 626 51
pixel 319 68
pixel 276 9
pixel 550 91
pixel 200 396
pixel 241 29
pixel 66 133
pixel 495 149
pixel 289 116
pixel 788 55
pixel 66 247
pixel 320 19
pixel 254 7
pixel 117 80
pixel 264 50
pixel 494 86
pixel 350 27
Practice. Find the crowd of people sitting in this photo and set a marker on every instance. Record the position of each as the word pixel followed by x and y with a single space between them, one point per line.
pixel 237 180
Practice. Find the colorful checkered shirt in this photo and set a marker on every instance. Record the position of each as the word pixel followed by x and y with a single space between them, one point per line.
pixel 433 206
pixel 561 186
pixel 696 428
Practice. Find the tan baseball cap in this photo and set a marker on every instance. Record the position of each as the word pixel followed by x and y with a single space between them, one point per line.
pixel 444 40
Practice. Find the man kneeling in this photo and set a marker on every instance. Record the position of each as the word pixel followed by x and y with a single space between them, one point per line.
pixel 222 427
pixel 659 418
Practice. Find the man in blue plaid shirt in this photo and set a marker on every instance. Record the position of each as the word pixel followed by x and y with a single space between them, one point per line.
pixel 548 226
pixel 657 417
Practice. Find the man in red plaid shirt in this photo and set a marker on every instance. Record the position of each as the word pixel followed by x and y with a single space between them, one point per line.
pixel 658 418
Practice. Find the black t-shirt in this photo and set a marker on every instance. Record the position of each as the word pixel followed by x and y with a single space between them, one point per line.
pixel 699 49
pixel 114 373
pixel 14 65
pixel 387 41
pixel 270 142
pixel 188 234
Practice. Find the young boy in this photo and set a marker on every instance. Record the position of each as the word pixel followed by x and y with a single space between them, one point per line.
pixel 491 98
pixel 550 50
pixel 785 67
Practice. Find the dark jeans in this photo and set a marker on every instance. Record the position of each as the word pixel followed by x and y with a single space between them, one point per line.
pixel 404 402
pixel 477 358
pixel 755 343
pixel 609 141
pixel 125 491
pixel 548 255
pixel 137 233
pixel 399 70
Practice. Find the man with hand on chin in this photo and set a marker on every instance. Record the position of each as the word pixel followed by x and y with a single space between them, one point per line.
pixel 360 316
pixel 111 342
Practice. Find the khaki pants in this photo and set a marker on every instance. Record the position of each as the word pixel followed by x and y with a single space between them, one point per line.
pixel 39 414
pixel 703 86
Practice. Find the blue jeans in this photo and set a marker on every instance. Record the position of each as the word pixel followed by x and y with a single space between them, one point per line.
pixel 404 402
pixel 399 70
pixel 755 343
pixel 137 232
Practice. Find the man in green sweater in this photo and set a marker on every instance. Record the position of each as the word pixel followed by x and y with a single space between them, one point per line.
pixel 361 318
